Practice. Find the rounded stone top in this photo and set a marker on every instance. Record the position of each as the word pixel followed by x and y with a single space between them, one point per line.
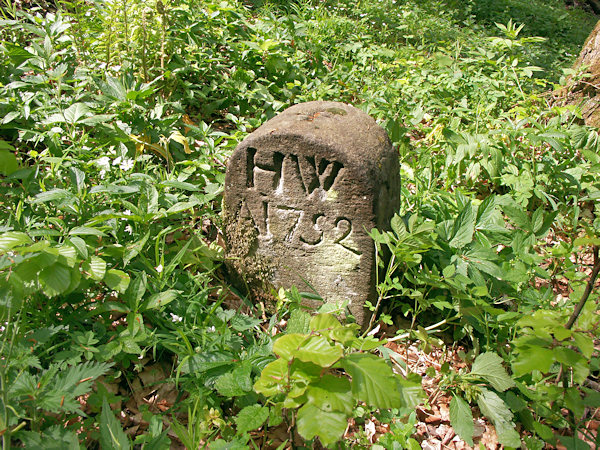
pixel 349 132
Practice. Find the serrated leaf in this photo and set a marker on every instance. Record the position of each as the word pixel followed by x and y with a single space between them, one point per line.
pixel 111 431
pixel 251 417
pixel 75 112
pixel 461 419
pixel 299 322
pixel 373 381
pixel 494 408
pixel 117 280
pixel 55 279
pixel 574 443
pixel 236 382
pixel 327 426
pixel 489 366
pixel 464 227
pixel 13 239
pixel 532 358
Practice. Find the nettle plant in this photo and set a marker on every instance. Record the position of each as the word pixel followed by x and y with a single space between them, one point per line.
pixel 321 376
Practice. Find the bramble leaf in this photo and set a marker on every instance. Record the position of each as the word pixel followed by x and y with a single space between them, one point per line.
pixel 461 419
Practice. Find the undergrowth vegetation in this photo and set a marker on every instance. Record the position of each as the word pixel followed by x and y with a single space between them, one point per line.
pixel 116 120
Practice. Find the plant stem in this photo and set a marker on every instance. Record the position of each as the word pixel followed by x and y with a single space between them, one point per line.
pixel 588 290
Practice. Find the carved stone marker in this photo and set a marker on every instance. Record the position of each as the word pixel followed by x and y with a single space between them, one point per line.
pixel 301 194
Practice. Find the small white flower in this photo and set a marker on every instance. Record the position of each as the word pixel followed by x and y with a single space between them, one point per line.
pixel 56 129
pixel 211 329
pixel 159 268
pixel 116 161
pixel 127 165
pixel 176 318
pixel 128 229
pixel 201 143
pixel 127 212
pixel 102 174
pixel 103 163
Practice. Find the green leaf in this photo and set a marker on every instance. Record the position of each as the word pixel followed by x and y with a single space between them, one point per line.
pixel 461 419
pixel 327 426
pixel 272 378
pixel 299 322
pixel 53 195
pixel 95 267
pixel 75 112
pixel 236 382
pixel 317 350
pixel 373 381
pixel 18 55
pixel 324 322
pixel 494 408
pixel 85 231
pixel 332 393
pixel 161 299
pixel 8 162
pixel 489 366
pixel 314 349
pixel 13 239
pixel 573 443
pixel 532 358
pixel 55 279
pixel 251 417
pixel 132 250
pixel 117 280
pixel 111 432
pixel 464 227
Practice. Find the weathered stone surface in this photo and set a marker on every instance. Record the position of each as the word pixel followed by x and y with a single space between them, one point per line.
pixel 301 194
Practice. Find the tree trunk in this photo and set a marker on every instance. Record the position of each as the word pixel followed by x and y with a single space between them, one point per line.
pixel 586 91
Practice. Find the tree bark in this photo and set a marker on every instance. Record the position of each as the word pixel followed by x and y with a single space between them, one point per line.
pixel 586 91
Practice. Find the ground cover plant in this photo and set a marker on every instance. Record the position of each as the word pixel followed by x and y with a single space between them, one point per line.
pixel 119 327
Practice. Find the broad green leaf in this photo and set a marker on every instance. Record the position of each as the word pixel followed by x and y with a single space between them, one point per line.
pixel 182 206
pixel 574 360
pixel 464 227
pixel 585 344
pixel 251 417
pixel 411 391
pixel 327 426
pixel 574 402
pixel 95 268
pixel 236 382
pixel 272 378
pixel 494 408
pixel 111 432
pixel 324 322
pixel 314 349
pixel 117 280
pixel 318 350
pixel 573 443
pixel 55 279
pixel 332 393
pixel 299 322
pixel 532 358
pixel 75 112
pixel 287 345
pixel 8 162
pixel 373 381
pixel 13 239
pixel 68 252
pixel 18 55
pixel 461 419
pixel 161 299
pixel 489 366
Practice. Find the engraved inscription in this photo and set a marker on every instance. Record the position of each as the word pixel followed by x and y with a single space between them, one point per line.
pixel 283 210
